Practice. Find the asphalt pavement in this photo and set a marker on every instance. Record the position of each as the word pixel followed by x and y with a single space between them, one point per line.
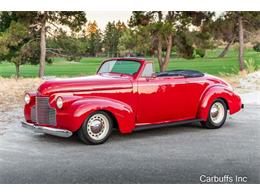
pixel 182 154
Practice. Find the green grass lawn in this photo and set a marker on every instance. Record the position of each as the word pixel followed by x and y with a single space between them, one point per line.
pixel 88 66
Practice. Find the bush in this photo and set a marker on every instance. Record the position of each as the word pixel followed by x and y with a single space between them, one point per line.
pixel 73 58
pixel 200 52
pixel 251 66
pixel 257 47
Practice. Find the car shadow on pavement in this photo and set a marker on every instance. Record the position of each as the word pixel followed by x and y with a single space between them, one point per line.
pixel 116 137
pixel 56 140
pixel 160 132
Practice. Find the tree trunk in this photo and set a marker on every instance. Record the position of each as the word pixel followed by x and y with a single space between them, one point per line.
pixel 17 69
pixel 159 54
pixel 224 52
pixel 163 63
pixel 241 44
pixel 168 52
pixel 43 45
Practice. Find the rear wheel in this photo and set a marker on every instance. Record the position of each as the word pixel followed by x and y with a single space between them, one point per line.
pixel 96 129
pixel 217 115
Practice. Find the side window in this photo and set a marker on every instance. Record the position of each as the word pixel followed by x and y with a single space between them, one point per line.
pixel 148 70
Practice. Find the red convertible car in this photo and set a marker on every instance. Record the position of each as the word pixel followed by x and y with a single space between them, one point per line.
pixel 126 94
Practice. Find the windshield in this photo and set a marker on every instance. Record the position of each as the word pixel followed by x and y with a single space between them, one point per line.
pixel 120 66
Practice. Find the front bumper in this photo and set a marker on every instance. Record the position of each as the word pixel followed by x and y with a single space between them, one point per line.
pixel 47 130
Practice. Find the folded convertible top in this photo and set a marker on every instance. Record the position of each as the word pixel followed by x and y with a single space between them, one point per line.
pixel 185 73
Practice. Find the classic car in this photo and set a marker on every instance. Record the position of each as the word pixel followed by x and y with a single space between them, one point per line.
pixel 127 94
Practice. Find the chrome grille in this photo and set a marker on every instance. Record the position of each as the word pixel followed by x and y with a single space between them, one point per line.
pixel 52 116
pixel 44 113
pixel 33 114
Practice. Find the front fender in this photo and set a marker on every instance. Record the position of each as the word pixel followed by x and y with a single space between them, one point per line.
pixel 80 109
pixel 233 100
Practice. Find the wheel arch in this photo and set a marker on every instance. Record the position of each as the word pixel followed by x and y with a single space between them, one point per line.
pixel 113 118
pixel 121 113
pixel 217 92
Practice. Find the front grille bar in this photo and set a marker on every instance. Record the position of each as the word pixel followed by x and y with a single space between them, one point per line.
pixel 44 113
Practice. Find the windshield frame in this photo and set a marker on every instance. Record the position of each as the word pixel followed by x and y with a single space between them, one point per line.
pixel 132 75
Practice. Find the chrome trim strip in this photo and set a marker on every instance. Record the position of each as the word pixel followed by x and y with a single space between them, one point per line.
pixel 47 130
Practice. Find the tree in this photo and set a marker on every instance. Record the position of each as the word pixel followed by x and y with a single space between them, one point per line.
pixel 92 27
pixel 136 42
pixel 224 29
pixel 43 21
pixel 19 43
pixel 161 30
pixel 18 46
pixel 164 28
pixel 68 46
pixel 38 24
pixel 5 20
pixel 201 37
pixel 112 35
pixel 127 42
pixel 184 45
pixel 144 42
pixel 93 39
pixel 234 27
pixel 46 20
pixel 247 21
pixel 241 43
pixel 120 26
pixel 94 43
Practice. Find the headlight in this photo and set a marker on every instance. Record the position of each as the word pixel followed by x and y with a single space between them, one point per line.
pixel 59 102
pixel 27 98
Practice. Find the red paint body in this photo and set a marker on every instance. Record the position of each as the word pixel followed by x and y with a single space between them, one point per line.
pixel 134 100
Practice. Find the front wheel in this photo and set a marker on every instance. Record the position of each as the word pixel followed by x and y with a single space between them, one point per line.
pixel 217 115
pixel 96 128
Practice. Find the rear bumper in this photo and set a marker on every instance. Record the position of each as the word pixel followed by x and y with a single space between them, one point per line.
pixel 47 130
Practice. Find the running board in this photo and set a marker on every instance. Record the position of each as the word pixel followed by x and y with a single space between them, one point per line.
pixel 161 125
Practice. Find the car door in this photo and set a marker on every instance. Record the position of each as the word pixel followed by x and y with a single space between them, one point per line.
pixel 160 99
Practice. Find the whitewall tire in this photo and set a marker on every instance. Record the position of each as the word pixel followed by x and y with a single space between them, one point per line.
pixel 217 115
pixel 96 129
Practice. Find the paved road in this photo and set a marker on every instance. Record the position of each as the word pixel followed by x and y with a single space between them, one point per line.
pixel 170 155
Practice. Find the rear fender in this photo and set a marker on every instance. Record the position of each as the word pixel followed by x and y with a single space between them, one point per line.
pixel 82 108
pixel 232 100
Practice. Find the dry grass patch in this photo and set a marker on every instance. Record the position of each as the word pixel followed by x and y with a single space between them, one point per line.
pixel 12 91
pixel 243 82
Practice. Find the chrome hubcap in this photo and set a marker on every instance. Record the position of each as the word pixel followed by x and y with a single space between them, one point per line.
pixel 217 112
pixel 98 126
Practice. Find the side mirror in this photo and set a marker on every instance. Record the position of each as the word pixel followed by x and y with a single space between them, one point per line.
pixel 154 75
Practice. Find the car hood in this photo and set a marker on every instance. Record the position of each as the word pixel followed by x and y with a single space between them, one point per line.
pixel 88 83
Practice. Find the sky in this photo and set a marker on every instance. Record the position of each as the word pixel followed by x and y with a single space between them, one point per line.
pixel 103 17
